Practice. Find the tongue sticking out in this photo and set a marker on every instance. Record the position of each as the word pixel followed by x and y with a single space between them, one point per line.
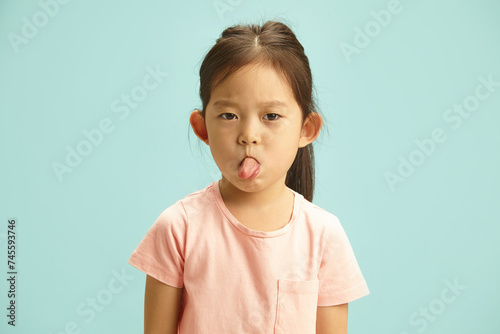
pixel 248 168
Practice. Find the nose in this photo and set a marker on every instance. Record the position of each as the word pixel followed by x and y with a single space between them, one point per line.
pixel 249 133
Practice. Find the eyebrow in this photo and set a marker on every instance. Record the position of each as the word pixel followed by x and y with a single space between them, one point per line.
pixel 272 103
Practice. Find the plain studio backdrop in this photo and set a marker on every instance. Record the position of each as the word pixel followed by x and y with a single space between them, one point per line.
pixel 95 142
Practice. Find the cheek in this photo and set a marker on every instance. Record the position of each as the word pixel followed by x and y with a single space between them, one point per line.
pixel 284 151
pixel 219 133
pixel 220 141
pixel 288 128
pixel 284 136
pixel 285 146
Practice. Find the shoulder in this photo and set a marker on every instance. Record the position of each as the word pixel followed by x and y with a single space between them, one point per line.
pixel 182 209
pixel 324 225
pixel 320 217
pixel 199 197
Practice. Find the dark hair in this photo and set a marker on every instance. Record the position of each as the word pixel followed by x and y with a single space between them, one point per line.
pixel 272 44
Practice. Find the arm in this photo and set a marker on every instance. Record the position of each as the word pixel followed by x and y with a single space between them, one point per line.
pixel 332 319
pixel 161 307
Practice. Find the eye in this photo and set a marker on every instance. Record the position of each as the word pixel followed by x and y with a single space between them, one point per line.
pixel 227 113
pixel 274 116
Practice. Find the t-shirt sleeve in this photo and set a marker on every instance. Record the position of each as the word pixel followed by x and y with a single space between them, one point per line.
pixel 340 278
pixel 160 254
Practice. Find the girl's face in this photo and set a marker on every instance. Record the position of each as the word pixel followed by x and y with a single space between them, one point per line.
pixel 253 112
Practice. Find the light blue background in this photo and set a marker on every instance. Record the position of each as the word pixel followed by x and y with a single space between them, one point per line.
pixel 440 224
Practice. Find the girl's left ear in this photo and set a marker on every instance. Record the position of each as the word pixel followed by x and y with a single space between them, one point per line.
pixel 310 129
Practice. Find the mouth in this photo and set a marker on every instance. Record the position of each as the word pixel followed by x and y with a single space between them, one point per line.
pixel 248 156
pixel 248 168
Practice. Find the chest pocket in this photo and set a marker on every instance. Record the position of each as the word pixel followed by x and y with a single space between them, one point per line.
pixel 296 307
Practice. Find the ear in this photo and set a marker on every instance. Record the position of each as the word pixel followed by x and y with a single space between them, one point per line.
pixel 198 125
pixel 310 129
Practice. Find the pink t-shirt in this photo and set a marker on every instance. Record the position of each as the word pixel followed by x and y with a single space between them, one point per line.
pixel 239 280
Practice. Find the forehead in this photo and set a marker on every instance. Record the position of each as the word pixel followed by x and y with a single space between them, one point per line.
pixel 256 85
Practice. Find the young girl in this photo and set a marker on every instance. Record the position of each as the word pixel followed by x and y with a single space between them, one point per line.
pixel 251 253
